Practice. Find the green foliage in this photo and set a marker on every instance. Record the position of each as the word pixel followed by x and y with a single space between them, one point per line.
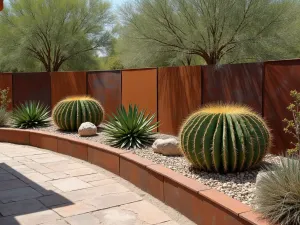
pixel 71 112
pixel 132 129
pixel 4 100
pixel 225 138
pixel 30 115
pixel 52 35
pixel 278 193
pixel 216 31
pixel 293 126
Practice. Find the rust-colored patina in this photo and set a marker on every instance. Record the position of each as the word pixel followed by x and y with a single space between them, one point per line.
pixel 179 95
pixel 6 82
pixel 1 5
pixel 106 87
pixel 236 83
pixel 280 78
pixel 64 84
pixel 140 87
pixel 32 87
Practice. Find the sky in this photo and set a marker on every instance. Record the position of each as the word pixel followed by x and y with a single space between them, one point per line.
pixel 117 3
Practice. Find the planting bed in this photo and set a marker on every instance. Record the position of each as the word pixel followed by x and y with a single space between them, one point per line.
pixel 240 186
pixel 198 202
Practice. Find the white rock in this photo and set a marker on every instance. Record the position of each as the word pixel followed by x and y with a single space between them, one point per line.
pixel 166 147
pixel 87 129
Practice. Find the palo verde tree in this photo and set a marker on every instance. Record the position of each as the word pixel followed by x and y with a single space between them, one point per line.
pixel 216 31
pixel 52 35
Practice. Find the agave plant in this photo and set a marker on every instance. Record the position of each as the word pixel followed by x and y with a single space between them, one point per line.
pixel 132 129
pixel 31 114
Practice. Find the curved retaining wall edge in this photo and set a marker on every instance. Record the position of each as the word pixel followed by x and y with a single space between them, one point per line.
pixel 199 203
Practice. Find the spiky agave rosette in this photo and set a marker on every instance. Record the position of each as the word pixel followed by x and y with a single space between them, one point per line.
pixel 225 138
pixel 71 112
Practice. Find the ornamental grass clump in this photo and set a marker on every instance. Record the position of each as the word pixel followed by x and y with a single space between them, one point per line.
pixel 278 193
pixel 71 112
pixel 132 129
pixel 30 115
pixel 225 138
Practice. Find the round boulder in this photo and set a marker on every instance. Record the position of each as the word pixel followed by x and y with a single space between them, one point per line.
pixel 168 147
pixel 87 129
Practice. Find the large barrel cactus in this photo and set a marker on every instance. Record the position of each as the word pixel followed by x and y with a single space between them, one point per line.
pixel 225 138
pixel 71 112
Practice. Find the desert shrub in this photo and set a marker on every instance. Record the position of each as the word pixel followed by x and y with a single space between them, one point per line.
pixel 71 112
pixel 130 129
pixel 293 126
pixel 4 117
pixel 278 193
pixel 225 138
pixel 30 114
pixel 4 100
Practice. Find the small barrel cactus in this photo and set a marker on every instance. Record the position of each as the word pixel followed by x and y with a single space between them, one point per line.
pixel 71 112
pixel 225 138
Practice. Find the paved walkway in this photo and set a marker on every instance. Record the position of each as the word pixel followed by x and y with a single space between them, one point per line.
pixel 41 187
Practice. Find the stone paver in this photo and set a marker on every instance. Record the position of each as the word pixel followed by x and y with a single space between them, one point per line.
pixel 11 184
pixel 80 172
pixel 21 207
pixel 39 187
pixel 70 184
pixel 93 177
pixel 102 182
pixel 74 209
pixel 18 194
pixel 57 175
pixel 83 219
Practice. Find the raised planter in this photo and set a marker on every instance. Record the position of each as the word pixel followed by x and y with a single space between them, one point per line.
pixel 201 204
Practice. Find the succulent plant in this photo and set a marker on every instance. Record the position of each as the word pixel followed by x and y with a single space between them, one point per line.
pixel 132 129
pixel 30 114
pixel 224 138
pixel 71 112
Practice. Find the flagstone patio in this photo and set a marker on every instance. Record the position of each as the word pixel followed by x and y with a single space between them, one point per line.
pixel 39 187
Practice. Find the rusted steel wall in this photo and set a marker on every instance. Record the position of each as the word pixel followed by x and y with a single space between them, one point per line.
pixel 280 78
pixel 140 87
pixel 6 82
pixel 32 87
pixel 106 87
pixel 238 83
pixel 64 84
pixel 179 95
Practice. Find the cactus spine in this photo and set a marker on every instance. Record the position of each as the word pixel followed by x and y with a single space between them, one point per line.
pixel 71 112
pixel 225 138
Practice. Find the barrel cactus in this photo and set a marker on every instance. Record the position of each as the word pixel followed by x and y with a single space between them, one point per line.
pixel 71 112
pixel 225 138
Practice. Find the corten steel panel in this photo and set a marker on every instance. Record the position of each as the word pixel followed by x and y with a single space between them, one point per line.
pixel 236 83
pixel 64 84
pixel 179 95
pixel 6 82
pixel 140 87
pixel 32 87
pixel 106 87
pixel 280 78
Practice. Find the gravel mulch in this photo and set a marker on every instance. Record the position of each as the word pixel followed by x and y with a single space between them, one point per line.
pixel 240 186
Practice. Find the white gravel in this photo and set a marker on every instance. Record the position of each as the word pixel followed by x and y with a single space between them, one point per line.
pixel 240 186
